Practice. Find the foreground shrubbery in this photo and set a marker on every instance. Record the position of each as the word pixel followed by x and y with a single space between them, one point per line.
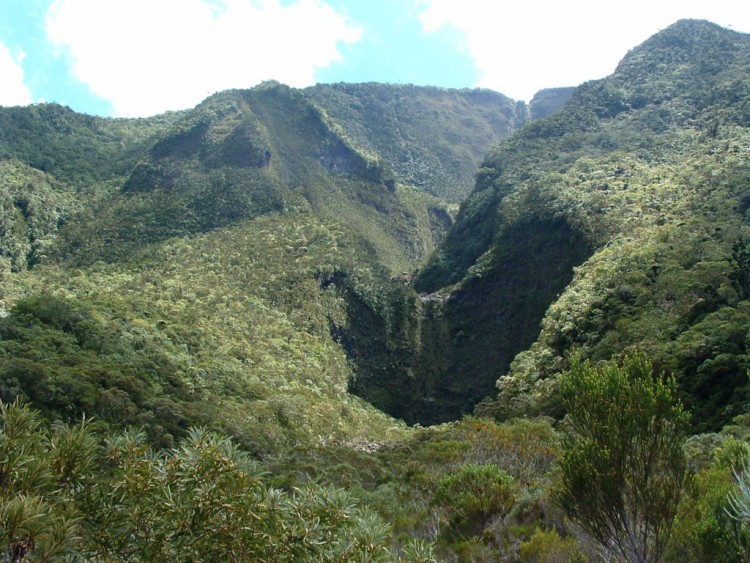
pixel 621 481
pixel 63 494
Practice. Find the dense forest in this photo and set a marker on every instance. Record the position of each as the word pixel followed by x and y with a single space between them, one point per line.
pixel 368 322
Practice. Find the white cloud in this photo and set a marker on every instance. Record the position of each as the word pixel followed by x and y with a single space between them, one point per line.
pixel 521 47
pixel 13 91
pixel 148 56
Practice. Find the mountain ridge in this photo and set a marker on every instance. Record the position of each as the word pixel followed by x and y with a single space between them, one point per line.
pixel 528 223
pixel 340 228
pixel 608 164
pixel 246 294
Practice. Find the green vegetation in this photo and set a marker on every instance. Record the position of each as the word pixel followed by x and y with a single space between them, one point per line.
pixel 623 467
pixel 61 494
pixel 77 149
pixel 32 208
pixel 210 322
pixel 214 330
pixel 648 170
pixel 245 154
pixel 479 488
pixel 433 138
pixel 704 529
pixel 474 495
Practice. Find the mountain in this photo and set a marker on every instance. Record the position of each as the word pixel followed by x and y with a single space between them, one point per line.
pixel 209 266
pixel 548 101
pixel 218 315
pixel 616 223
pixel 246 154
pixel 548 237
pixel 379 168
pixel 434 138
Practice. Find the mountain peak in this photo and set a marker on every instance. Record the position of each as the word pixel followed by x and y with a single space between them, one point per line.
pixel 687 42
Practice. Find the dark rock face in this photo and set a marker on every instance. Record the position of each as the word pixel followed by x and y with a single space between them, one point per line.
pixel 548 101
pixel 434 359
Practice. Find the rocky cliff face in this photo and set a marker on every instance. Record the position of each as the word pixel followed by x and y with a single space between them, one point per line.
pixel 441 353
pixel 548 101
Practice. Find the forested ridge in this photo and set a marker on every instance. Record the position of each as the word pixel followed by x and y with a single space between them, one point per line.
pixel 383 322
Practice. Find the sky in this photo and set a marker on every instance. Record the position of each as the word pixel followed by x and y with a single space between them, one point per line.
pixel 136 58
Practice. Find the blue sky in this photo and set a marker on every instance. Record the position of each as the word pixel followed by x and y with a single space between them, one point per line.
pixel 142 57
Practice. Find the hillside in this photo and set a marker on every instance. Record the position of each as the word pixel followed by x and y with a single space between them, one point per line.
pixel 616 223
pixel 219 255
pixel 217 317
pixel 202 270
pixel 434 138
pixel 625 164
pixel 242 155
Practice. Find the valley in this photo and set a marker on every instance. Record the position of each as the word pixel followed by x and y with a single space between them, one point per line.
pixel 358 301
